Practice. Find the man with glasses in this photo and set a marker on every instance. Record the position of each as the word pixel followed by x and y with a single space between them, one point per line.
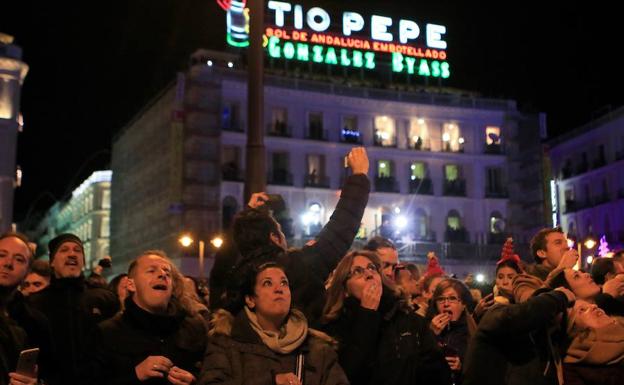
pixel 387 252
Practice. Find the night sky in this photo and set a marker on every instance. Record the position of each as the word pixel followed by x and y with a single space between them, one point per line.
pixel 93 65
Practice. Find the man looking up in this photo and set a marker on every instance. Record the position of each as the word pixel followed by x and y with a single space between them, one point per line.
pixel 549 248
pixel 73 308
pixel 387 253
pixel 158 339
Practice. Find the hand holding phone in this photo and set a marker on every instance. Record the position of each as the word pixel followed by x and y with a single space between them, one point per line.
pixel 27 363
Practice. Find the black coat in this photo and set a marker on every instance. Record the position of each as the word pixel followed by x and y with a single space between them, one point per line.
pixel 12 341
pixel 126 340
pixel 389 346
pixel 511 344
pixel 308 268
pixel 242 358
pixel 73 309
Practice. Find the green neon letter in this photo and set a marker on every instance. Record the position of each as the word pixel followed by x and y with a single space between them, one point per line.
pixel 446 71
pixel 423 68
pixel 318 53
pixel 411 63
pixel 370 60
pixel 289 50
pixel 303 52
pixel 435 69
pixel 358 61
pixel 344 58
pixel 274 48
pixel 397 62
pixel 330 56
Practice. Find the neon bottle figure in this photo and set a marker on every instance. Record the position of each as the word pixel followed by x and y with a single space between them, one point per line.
pixel 238 24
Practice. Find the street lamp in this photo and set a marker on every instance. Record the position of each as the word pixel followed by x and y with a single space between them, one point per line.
pixel 186 240
pixel 589 244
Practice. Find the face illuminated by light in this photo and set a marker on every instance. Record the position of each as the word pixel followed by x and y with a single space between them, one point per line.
pixel 362 271
pixel 590 316
pixel 504 278
pixel 151 284
pixel 68 260
pixel 34 283
pixel 556 246
pixel 389 259
pixel 14 261
pixel 582 284
pixel 271 299
pixel 450 302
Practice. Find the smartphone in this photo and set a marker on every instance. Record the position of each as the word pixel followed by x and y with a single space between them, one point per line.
pixel 27 362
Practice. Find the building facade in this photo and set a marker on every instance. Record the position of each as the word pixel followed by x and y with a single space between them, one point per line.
pixel 445 168
pixel 588 179
pixel 12 73
pixel 86 214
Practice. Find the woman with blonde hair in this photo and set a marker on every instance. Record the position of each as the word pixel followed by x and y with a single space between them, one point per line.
pixel 380 339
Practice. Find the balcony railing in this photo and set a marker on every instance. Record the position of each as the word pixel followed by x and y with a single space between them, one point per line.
pixel 279 129
pixel 316 181
pixel 496 192
pixel 493 148
pixel 496 238
pixel 456 236
pixel 455 187
pixel 232 126
pixel 386 184
pixel 379 141
pixel 315 133
pixel 280 177
pixel 421 186
pixel 430 236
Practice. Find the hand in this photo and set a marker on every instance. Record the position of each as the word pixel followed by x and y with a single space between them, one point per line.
pixel 571 297
pixel 439 322
pixel 257 199
pixel 568 260
pixel 614 287
pixel 371 295
pixel 153 367
pixel 454 363
pixel 179 376
pixel 287 379
pixel 358 160
pixel 20 379
pixel 483 305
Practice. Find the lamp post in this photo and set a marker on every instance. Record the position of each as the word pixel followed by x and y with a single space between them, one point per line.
pixel 186 240
pixel 589 244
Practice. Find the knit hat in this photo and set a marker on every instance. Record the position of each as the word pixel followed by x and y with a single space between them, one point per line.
pixel 55 243
pixel 433 266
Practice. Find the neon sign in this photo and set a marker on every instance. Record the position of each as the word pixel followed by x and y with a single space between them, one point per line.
pixel 295 33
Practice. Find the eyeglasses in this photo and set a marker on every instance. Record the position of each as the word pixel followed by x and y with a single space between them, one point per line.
pixel 450 299
pixel 358 271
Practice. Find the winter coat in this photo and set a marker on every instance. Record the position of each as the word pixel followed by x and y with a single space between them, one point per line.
pixel 455 337
pixel 236 355
pixel 512 344
pixel 392 346
pixel 73 309
pixel 12 341
pixel 593 375
pixel 126 340
pixel 538 270
pixel 308 268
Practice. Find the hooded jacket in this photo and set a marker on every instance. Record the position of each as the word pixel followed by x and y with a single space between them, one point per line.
pixel 391 346
pixel 237 355
pixel 130 337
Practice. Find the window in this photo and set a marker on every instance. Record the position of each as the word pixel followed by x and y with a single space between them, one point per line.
pixel 230 160
pixel 385 132
pixel 494 184
pixel 453 220
pixel 315 126
pixel 279 169
pixel 492 140
pixel 106 199
pixel 279 122
pixel 230 117
pixel 451 172
pixel 105 227
pixel 421 224
pixel 350 132
pixel 419 135
pixel 312 219
pixel 497 225
pixel 316 171
pixel 417 170
pixel 384 169
pixel 452 141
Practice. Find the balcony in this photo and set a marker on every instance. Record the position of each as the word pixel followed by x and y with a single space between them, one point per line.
pixel 231 172
pixel 280 129
pixel 496 238
pixel 455 187
pixel 419 145
pixel 600 199
pixel 421 186
pixel 316 133
pixel 386 184
pixel 493 149
pixel 350 136
pixel 446 147
pixel 232 126
pixel 599 162
pixel 280 177
pixel 567 172
pixel 318 181
pixel 456 236
pixel 496 192
pixel 430 236
pixel 380 141
pixel 573 206
pixel 582 168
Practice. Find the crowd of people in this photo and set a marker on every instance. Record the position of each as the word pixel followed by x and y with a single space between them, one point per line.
pixel 323 314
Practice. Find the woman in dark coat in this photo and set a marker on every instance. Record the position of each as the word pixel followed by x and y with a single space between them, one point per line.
pixel 451 322
pixel 380 338
pixel 268 342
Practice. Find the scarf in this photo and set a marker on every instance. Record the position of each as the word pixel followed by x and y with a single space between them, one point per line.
pixel 291 334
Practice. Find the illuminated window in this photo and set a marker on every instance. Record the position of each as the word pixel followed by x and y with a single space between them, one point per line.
pixel 312 219
pixel 451 172
pixel 279 122
pixel 106 199
pixel 419 134
pixel 417 170
pixel 384 169
pixel 385 133
pixel 422 224
pixel 451 138
pixel 349 132
pixel 492 140
pixel 105 227
pixel 497 225
pixel 453 220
